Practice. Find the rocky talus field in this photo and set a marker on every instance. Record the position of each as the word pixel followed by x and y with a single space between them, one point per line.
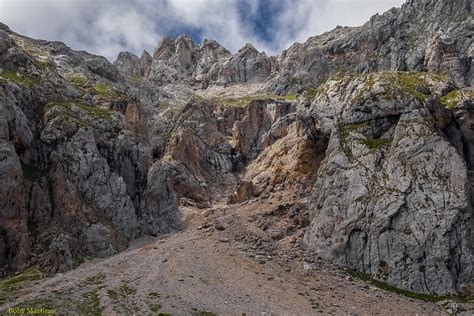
pixel 336 178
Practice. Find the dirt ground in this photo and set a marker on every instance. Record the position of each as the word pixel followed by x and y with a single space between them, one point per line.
pixel 230 260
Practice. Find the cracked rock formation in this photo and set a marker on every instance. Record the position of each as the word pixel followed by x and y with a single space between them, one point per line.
pixel 392 196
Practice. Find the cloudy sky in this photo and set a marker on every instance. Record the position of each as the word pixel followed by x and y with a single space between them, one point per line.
pixel 107 27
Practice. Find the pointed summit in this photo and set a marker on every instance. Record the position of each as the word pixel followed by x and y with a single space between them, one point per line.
pixel 145 54
pixel 164 50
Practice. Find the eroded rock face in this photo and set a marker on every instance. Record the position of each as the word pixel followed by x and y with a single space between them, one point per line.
pixel 247 65
pixel 14 243
pixel 292 153
pixel 392 196
pixel 182 60
pixel 133 65
pixel 391 41
pixel 212 143
pixel 76 156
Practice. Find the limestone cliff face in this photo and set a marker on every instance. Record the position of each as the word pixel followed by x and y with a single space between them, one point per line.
pixel 212 144
pixel 378 142
pixel 183 61
pixel 75 165
pixel 392 196
pixel 422 35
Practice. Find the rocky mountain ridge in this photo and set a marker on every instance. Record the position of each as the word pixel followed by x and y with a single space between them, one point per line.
pixel 427 35
pixel 377 140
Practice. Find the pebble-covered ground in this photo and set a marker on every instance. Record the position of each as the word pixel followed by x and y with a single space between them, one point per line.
pixel 231 259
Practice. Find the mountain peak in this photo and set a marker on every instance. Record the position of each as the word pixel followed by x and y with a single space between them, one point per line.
pixel 248 49
pixel 184 38
pixel 145 54
pixel 438 8
pixel 4 27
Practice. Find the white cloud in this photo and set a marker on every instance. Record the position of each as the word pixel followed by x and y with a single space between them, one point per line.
pixel 107 27
pixel 103 27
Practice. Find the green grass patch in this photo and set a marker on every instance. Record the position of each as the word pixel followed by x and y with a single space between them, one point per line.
pixel 245 101
pixel 136 80
pixel 155 308
pixel 204 313
pixel 10 285
pixel 30 274
pixel 119 295
pixel 399 84
pixel 35 305
pixel 125 290
pixel 79 80
pixel 291 97
pixel 90 304
pixel 377 143
pixel 113 294
pixel 311 93
pixel 90 110
pixel 96 279
pixel 24 80
pixel 105 90
pixel 154 295
pixel 451 100
pixel 121 292
pixel 454 98
pixel 409 83
pixel 418 296
pixel 83 114
pixel 343 134
pixel 345 130
pixel 43 65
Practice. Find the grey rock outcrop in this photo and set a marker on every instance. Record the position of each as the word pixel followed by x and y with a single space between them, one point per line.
pixel 14 242
pixel 211 143
pixel 76 163
pixel 248 65
pixel 181 60
pixel 392 196
pixel 133 65
pixel 424 35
